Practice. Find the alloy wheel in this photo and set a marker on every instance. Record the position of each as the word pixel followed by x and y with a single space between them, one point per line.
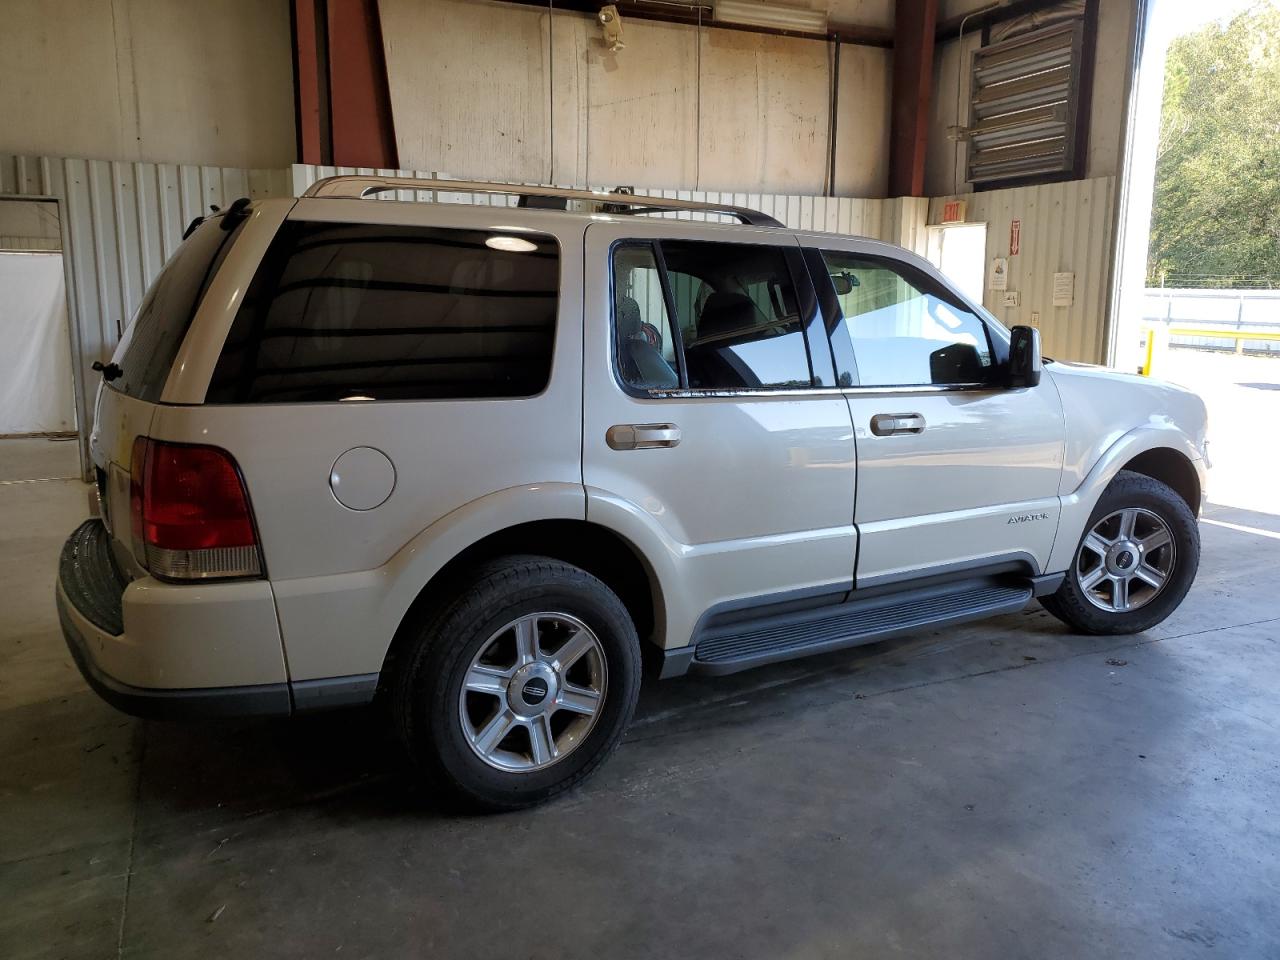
pixel 1125 560
pixel 533 692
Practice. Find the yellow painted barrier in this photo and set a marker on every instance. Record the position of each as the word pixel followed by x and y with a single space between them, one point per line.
pixel 1155 341
pixel 1223 334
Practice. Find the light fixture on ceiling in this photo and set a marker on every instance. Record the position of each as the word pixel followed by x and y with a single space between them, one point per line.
pixel 611 27
pixel 771 15
pixel 510 244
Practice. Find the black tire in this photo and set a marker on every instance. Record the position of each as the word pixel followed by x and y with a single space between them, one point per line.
pixel 1070 603
pixel 432 666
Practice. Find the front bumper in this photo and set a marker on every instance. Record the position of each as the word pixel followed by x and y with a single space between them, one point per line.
pixel 169 650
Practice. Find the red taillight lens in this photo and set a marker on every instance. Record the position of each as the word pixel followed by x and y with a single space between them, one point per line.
pixel 190 512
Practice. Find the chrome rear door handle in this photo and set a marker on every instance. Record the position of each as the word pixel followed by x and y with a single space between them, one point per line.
pixel 642 436
pixel 892 424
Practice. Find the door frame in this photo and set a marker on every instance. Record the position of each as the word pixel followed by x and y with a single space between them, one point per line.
pixel 79 390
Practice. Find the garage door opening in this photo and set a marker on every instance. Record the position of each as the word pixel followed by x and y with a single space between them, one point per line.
pixel 959 251
pixel 1199 272
pixel 37 399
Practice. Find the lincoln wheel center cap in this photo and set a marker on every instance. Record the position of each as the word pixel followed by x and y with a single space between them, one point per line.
pixel 532 690
pixel 1123 558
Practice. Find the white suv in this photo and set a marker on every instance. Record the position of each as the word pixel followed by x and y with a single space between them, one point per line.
pixel 476 457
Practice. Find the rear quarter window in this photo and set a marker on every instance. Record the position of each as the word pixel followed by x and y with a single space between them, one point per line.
pixel 342 311
pixel 152 341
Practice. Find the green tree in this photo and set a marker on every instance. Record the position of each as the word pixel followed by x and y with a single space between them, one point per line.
pixel 1217 191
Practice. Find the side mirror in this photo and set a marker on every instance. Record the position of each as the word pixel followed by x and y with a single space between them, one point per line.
pixel 1025 363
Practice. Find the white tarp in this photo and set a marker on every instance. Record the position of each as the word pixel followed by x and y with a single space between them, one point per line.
pixel 35 348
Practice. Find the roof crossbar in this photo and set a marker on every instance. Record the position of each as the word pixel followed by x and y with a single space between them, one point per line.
pixel 357 187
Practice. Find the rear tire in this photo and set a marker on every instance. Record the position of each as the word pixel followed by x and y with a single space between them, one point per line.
pixel 521 686
pixel 1135 561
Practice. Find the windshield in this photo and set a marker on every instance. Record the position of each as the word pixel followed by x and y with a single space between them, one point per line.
pixel 152 340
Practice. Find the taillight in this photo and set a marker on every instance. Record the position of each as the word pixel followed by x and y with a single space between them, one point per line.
pixel 189 513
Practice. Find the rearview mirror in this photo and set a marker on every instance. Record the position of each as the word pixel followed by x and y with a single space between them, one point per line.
pixel 1024 357
pixel 844 282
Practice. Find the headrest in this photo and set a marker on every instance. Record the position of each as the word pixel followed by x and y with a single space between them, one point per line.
pixel 628 318
pixel 726 313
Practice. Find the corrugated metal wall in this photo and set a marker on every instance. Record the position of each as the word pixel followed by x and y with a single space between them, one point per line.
pixel 1066 227
pixel 120 222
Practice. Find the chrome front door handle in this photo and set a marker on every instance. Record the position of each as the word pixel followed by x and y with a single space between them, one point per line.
pixel 892 424
pixel 642 436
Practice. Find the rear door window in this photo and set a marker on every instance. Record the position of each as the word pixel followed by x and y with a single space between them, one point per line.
pixel 738 315
pixel 344 311
pixel 162 321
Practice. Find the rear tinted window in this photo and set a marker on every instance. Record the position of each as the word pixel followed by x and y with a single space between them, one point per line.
pixel 367 311
pixel 161 323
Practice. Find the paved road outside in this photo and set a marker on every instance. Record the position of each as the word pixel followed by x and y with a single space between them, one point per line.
pixel 1243 396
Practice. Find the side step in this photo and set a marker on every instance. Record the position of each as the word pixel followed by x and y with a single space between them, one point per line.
pixel 740 646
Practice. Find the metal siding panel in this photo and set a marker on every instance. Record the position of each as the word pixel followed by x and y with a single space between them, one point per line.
pixel 128 211
pixel 150 223
pixel 120 222
pixel 171 211
pixel 1066 226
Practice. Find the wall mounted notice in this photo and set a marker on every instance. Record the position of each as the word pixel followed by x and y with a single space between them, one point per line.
pixel 999 274
pixel 1015 237
pixel 1064 289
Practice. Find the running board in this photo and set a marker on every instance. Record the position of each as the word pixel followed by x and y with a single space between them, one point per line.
pixel 740 646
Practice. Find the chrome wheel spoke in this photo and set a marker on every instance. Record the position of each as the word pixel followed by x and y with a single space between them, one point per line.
pixel 487 740
pixel 578 699
pixel 482 678
pixel 578 643
pixel 1120 593
pixel 1097 543
pixel 540 739
pixel 1150 575
pixel 1155 540
pixel 1128 522
pixel 1091 579
pixel 526 631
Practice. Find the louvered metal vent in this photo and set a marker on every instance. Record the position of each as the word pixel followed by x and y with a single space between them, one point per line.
pixel 1025 93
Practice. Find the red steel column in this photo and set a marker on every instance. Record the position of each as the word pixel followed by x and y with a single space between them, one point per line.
pixel 342 98
pixel 311 83
pixel 915 22
pixel 360 99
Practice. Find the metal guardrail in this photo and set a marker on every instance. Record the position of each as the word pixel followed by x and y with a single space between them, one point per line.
pixel 1238 336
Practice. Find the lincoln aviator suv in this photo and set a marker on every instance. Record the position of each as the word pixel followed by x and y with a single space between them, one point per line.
pixel 472 459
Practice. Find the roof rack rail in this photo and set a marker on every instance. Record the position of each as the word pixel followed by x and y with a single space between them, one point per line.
pixel 366 186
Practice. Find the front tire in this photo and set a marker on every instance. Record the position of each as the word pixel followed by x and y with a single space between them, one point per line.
pixel 1135 562
pixel 521 686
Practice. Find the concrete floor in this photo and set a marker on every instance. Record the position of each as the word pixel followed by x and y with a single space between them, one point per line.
pixel 1004 790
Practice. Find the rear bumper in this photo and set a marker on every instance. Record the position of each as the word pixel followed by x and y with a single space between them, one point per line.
pixel 169 650
pixel 257 700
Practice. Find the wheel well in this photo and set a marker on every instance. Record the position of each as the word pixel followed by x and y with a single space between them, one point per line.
pixel 1172 468
pixel 596 549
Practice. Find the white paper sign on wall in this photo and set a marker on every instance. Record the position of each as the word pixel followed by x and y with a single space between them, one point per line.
pixel 999 274
pixel 1064 289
